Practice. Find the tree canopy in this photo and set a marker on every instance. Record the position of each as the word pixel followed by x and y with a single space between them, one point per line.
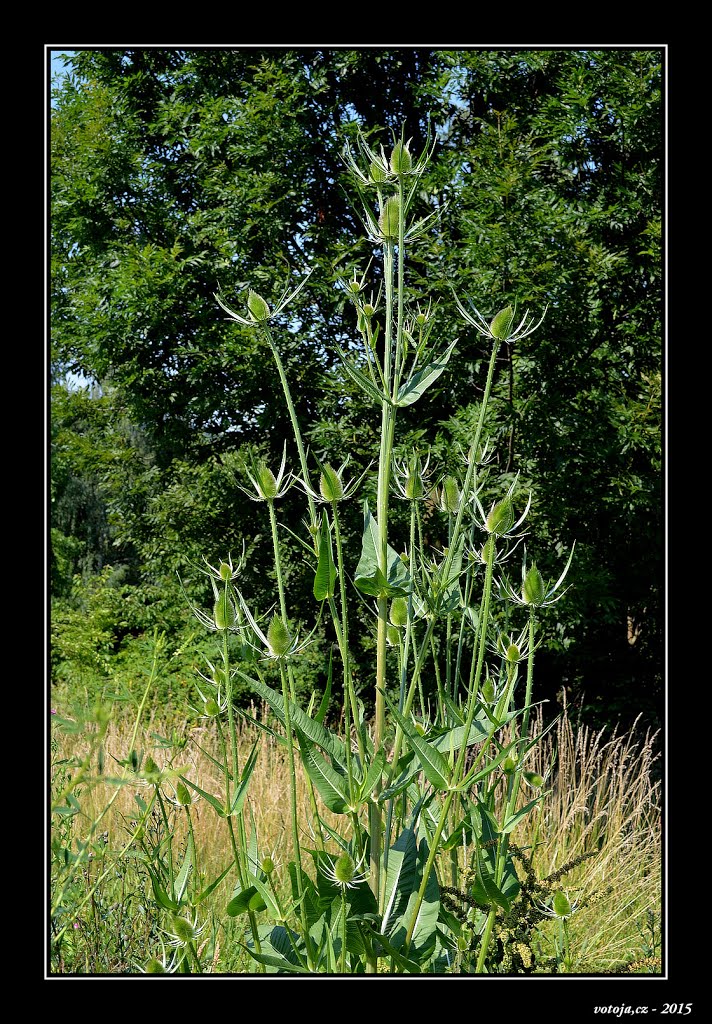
pixel 179 173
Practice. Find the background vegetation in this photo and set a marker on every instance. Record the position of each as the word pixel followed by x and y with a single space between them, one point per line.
pixel 177 173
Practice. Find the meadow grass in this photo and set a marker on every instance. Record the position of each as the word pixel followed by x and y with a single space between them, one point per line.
pixel 602 799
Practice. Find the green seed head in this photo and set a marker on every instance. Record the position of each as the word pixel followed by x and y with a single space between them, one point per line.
pixel 401 160
pixel 502 324
pixel 330 484
pixel 534 780
pixel 155 966
pixel 510 762
pixel 501 518
pixel 266 482
pixel 224 611
pixel 488 690
pixel 389 220
pixel 533 588
pixel 344 869
pixel 562 907
pixel 183 929
pixel 225 571
pixel 450 495
pixel 211 708
pixel 378 174
pixel 182 795
pixel 258 307
pixel 513 654
pixel 279 639
pixel 399 611
pixel 267 865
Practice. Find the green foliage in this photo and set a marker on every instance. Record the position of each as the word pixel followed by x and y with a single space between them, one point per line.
pixel 174 171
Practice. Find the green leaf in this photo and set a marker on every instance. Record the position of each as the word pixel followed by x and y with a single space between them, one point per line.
pixel 281 963
pixel 522 812
pixel 415 386
pixel 213 885
pixel 436 768
pixel 372 777
pixel 401 880
pixel 325 578
pixel 406 861
pixel 181 879
pixel 247 899
pixel 241 790
pixel 332 787
pixel 308 727
pixel 212 800
pixel 363 380
pixel 369 577
pixel 161 896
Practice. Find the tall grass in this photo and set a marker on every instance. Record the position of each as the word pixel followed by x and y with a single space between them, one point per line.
pixel 604 798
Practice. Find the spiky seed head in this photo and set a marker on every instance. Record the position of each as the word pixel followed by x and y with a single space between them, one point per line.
pixel 502 324
pixel 267 865
pixel 258 307
pixel 450 495
pixel 488 690
pixel 378 173
pixel 225 571
pixel 330 484
pixel 501 518
pixel 535 781
pixel 401 160
pixel 561 905
pixel 183 929
pixel 266 481
pixel 513 654
pixel 389 220
pixel 154 967
pixel 182 795
pixel 279 638
pixel 399 611
pixel 510 762
pixel 224 611
pixel 211 708
pixel 489 551
pixel 533 587
pixel 344 869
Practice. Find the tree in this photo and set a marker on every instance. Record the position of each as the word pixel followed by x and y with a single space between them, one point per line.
pixel 176 173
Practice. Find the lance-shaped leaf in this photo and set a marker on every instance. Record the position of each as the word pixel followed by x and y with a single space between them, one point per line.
pixel 239 795
pixel 417 383
pixel 181 879
pixel 363 380
pixel 218 805
pixel 372 777
pixel 326 696
pixel 213 885
pixel 406 861
pixel 369 577
pixel 325 577
pixel 522 812
pixel 332 787
pixel 301 722
pixel 434 765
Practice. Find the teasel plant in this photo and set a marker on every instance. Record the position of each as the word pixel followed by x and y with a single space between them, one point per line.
pixel 427 789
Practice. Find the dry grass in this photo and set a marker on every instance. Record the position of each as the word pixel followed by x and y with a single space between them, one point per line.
pixel 603 798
